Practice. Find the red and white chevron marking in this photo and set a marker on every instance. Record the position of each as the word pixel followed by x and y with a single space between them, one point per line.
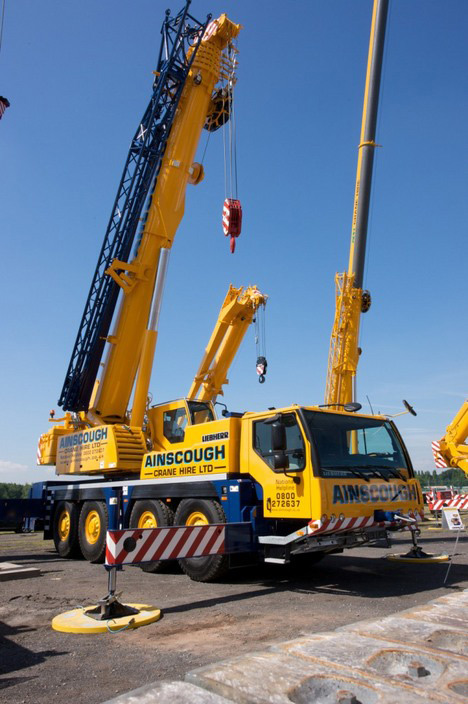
pixel 38 453
pixel 459 502
pixel 350 524
pixel 226 212
pixel 125 547
pixel 438 459
pixel 210 30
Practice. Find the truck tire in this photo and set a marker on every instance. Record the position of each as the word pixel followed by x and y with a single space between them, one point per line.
pixel 197 512
pixel 92 528
pixel 65 529
pixel 152 513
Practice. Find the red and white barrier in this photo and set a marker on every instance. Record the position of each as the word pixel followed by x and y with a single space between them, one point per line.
pixel 137 545
pixel 459 502
pixel 151 544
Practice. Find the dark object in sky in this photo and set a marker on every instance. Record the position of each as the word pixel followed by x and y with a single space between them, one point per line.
pixel 4 104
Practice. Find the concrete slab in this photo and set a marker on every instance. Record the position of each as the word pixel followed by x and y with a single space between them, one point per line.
pixel 421 670
pixel 396 629
pixel 8 570
pixel 418 656
pixel 275 678
pixel 173 692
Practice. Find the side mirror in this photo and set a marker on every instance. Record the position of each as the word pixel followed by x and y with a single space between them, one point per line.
pixel 278 437
pixel 280 461
pixel 352 407
pixel 409 408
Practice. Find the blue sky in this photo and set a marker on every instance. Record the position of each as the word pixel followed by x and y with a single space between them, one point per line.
pixel 78 76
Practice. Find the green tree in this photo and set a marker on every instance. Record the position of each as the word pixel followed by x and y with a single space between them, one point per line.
pixel 14 491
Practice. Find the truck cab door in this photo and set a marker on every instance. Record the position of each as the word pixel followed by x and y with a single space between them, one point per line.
pixel 282 472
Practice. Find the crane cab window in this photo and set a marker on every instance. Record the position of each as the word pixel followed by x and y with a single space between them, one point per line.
pixel 295 450
pixel 200 412
pixel 174 424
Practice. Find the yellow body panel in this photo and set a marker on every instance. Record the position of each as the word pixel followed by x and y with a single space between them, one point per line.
pixel 207 449
pixel 105 449
pixel 357 498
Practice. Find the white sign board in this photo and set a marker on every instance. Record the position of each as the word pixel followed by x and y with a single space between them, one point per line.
pixel 451 519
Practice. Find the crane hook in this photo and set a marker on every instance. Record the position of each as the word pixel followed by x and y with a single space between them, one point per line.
pixel 262 365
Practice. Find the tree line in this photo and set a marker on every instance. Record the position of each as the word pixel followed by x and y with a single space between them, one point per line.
pixel 449 477
pixel 14 491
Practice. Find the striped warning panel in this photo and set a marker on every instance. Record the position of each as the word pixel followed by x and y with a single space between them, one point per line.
pixel 149 545
pixel 459 502
pixel 341 525
pixel 438 459
pixel 210 30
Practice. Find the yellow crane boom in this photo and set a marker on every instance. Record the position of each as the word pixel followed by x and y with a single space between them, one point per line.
pixel 351 299
pixel 130 347
pixel 452 448
pixel 236 314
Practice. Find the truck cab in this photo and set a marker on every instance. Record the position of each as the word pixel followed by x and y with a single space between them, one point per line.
pixel 320 465
pixel 309 464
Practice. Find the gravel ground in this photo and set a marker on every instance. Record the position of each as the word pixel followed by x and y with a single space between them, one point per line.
pixel 201 624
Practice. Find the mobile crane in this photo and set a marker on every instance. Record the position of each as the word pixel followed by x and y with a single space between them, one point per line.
pixel 305 480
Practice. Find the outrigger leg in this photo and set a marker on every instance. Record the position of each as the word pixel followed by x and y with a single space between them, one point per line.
pixel 109 614
pixel 417 554
pixel 109 607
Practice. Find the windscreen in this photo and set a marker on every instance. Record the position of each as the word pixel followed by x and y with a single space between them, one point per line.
pixel 354 445
pixel 200 412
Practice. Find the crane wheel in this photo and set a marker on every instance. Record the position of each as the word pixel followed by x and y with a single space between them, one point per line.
pixel 152 513
pixel 200 512
pixel 92 528
pixel 65 529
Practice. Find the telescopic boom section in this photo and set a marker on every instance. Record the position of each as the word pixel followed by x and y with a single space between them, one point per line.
pixel 236 314
pixel 179 35
pixel 166 207
pixel 351 299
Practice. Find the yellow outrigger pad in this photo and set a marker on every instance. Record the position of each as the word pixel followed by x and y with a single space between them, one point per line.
pixel 427 557
pixel 77 621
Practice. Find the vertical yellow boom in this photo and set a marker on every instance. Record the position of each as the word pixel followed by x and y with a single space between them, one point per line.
pixel 351 299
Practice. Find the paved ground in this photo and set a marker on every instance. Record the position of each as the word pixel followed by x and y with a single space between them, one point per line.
pixel 202 624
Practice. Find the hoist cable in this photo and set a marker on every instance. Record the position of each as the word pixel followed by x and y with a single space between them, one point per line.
pixel 225 164
pixel 2 22
pixel 206 147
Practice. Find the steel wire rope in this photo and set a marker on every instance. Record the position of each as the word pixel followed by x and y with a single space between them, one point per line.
pixel 206 147
pixel 230 143
pixel 260 331
pixel 2 21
